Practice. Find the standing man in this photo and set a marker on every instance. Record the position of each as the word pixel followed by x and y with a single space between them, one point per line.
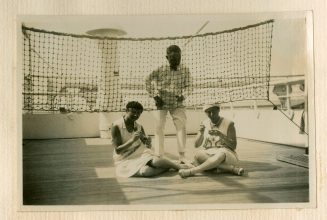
pixel 169 85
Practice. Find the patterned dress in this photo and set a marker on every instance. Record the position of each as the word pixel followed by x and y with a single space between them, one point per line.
pixel 213 144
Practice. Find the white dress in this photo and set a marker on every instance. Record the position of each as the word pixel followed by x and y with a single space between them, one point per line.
pixel 131 160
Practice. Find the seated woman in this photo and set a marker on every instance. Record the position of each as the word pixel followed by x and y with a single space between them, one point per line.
pixel 132 153
pixel 217 141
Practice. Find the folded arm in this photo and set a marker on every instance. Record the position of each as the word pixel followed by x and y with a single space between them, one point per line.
pixel 230 140
pixel 117 140
pixel 199 137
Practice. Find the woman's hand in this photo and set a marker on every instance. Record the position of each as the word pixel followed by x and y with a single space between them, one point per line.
pixel 147 142
pixel 201 130
pixel 136 135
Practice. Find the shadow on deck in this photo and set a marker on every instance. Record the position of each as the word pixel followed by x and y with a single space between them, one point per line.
pixel 81 172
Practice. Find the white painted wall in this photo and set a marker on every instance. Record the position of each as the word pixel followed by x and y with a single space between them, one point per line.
pixel 44 126
pixel 265 125
pixel 268 125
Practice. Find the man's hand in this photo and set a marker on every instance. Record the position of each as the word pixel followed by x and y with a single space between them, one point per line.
pixel 159 101
pixel 180 98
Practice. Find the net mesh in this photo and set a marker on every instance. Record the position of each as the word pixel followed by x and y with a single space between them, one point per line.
pixel 66 72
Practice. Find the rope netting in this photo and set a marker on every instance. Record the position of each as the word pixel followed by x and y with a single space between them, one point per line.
pixel 86 73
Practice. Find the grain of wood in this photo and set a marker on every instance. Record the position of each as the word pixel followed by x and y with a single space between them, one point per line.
pixel 67 175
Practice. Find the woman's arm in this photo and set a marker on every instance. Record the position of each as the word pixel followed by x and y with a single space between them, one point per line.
pixel 199 138
pixel 146 140
pixel 117 140
pixel 230 140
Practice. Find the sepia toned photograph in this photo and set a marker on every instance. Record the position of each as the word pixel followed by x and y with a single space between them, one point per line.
pixel 167 112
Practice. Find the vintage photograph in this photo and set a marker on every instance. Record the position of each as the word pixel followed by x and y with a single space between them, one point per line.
pixel 167 112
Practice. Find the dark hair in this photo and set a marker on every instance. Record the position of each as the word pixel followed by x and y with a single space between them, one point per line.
pixel 212 107
pixel 173 48
pixel 134 104
pixel 217 107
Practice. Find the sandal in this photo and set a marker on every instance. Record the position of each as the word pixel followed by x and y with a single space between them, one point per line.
pixel 183 166
pixel 185 173
pixel 238 171
pixel 186 162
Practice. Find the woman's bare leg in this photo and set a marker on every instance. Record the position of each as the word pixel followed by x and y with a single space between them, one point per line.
pixel 231 169
pixel 148 171
pixel 212 162
pixel 201 156
pixel 162 162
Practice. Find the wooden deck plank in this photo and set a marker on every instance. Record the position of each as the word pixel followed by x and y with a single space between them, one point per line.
pixel 81 171
pixel 77 190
